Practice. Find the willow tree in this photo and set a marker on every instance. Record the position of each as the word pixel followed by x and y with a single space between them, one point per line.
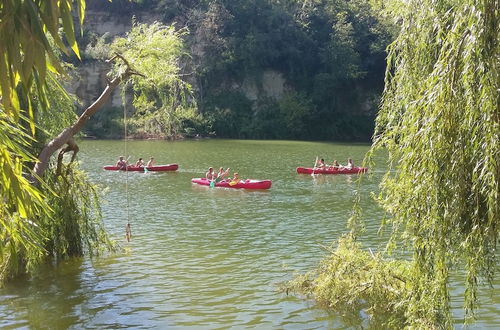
pixel 162 100
pixel 440 123
pixel 51 209
pixel 26 59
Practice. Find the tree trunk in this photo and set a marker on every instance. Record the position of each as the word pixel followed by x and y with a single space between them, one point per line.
pixel 67 135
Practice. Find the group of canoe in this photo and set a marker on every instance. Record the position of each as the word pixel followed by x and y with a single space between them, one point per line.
pixel 219 179
pixel 214 179
pixel 320 167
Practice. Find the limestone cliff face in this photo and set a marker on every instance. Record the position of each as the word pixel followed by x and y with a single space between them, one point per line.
pixel 90 79
pixel 271 84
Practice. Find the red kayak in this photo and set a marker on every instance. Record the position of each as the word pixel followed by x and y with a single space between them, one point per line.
pixel 331 170
pixel 243 184
pixel 156 168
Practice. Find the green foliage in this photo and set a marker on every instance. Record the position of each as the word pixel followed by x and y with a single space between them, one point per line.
pixel 26 53
pixel 20 203
pixel 328 51
pixel 285 119
pixel 296 110
pixel 75 225
pixel 97 47
pixel 27 57
pixel 50 122
pixel 154 50
pixel 163 101
pixel 440 123
pixel 52 218
pixel 331 53
pixel 231 114
pixel 106 123
pixel 164 106
pixel 350 280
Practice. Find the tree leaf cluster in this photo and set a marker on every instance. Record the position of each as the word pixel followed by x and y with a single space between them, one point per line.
pixel 439 121
pixel 163 100
pixel 331 53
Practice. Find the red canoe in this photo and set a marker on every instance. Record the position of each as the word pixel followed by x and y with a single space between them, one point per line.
pixel 331 170
pixel 156 168
pixel 243 184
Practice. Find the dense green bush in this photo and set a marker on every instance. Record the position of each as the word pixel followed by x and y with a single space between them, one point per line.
pixel 354 282
pixel 106 123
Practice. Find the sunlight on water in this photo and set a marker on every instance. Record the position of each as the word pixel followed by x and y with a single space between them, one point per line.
pixel 205 257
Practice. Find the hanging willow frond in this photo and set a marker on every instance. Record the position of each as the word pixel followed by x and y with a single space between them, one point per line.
pixel 25 51
pixel 440 122
pixel 26 59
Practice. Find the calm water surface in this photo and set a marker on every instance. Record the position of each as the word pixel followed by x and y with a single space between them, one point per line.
pixel 202 257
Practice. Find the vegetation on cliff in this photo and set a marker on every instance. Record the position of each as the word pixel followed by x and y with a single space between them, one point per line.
pixel 276 69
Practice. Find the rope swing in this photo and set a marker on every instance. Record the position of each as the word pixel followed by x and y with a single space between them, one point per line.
pixel 128 227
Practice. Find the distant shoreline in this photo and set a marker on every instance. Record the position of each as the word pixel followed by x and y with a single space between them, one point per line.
pixel 134 138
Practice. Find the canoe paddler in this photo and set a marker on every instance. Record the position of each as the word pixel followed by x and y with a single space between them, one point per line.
pixel 349 165
pixel 320 164
pixel 221 174
pixel 139 163
pixel 235 179
pixel 121 163
pixel 150 162
pixel 211 175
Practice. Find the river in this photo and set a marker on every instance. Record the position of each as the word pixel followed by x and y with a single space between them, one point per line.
pixel 205 257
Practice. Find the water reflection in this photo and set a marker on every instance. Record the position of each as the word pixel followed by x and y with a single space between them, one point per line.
pixel 204 257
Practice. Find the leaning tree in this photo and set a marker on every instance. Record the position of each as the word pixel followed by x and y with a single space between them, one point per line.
pixel 45 211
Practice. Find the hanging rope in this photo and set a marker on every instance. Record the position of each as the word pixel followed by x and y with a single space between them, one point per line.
pixel 128 228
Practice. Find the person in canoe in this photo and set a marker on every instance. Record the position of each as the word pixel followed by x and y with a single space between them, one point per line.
pixel 150 162
pixel 320 164
pixel 211 175
pixel 235 179
pixel 349 165
pixel 139 163
pixel 221 174
pixel 121 163
pixel 336 165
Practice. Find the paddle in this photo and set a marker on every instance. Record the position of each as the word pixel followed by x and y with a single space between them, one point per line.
pixel 314 167
pixel 212 180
